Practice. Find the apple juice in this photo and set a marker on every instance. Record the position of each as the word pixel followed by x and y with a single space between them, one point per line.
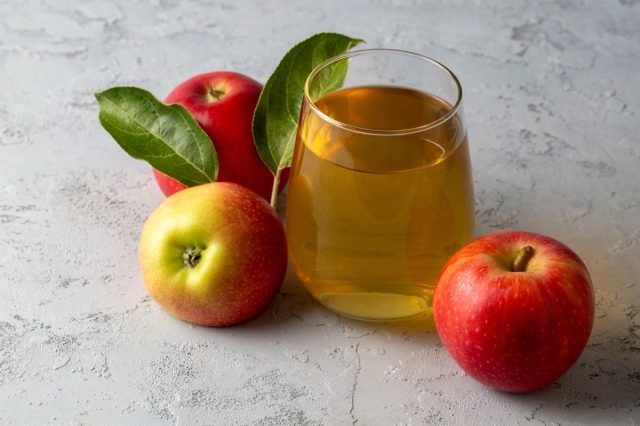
pixel 372 217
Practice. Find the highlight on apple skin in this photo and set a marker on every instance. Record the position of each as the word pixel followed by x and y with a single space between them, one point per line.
pixel 515 309
pixel 214 254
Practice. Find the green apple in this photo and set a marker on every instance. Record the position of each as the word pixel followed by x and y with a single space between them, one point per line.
pixel 213 254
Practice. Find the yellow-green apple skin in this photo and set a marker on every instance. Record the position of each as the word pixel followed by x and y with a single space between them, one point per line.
pixel 214 254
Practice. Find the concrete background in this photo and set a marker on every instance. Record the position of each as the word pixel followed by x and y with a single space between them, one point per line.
pixel 552 99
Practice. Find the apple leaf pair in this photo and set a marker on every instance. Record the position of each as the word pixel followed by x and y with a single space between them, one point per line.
pixel 169 138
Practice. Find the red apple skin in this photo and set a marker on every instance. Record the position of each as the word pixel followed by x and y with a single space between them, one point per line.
pixel 227 119
pixel 242 247
pixel 514 331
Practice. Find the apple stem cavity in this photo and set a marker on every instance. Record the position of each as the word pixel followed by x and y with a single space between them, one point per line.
pixel 214 94
pixel 520 264
pixel 191 257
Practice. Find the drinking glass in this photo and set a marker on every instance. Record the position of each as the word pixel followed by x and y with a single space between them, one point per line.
pixel 380 191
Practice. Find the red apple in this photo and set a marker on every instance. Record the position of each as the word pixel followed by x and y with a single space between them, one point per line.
pixel 514 309
pixel 222 103
pixel 214 254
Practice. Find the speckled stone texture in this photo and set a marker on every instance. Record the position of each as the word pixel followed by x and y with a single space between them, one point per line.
pixel 552 97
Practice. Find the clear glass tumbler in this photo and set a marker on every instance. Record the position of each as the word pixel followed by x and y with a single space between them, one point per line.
pixel 380 192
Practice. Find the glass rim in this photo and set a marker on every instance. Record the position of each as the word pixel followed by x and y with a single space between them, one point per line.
pixel 395 132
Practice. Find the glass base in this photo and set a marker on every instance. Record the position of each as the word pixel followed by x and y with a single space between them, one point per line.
pixel 375 307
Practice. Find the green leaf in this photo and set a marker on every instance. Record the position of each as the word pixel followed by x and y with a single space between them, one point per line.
pixel 166 136
pixel 275 120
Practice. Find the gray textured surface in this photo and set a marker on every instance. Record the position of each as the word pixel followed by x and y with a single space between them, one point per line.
pixel 552 99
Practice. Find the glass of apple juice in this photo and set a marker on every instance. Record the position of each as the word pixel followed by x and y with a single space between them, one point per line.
pixel 380 193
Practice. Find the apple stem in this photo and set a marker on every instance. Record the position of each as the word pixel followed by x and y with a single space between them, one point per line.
pixel 274 190
pixel 520 264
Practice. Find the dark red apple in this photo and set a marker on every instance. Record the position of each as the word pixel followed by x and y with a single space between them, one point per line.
pixel 514 309
pixel 222 103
